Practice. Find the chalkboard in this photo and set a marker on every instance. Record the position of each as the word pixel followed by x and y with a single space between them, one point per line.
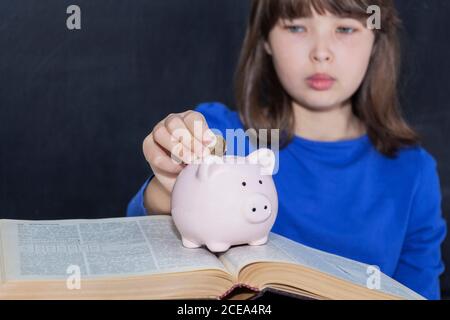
pixel 75 105
pixel 426 89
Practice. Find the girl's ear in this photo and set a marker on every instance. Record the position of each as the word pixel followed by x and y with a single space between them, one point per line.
pixel 267 48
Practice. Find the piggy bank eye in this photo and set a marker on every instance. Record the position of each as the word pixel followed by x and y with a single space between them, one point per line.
pixel 260 182
pixel 244 183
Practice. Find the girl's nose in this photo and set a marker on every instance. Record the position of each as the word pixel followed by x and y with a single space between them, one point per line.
pixel 321 54
pixel 321 58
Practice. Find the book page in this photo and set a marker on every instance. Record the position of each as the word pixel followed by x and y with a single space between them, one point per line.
pixel 99 248
pixel 281 249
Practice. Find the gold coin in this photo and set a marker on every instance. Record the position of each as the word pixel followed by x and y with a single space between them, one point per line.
pixel 220 147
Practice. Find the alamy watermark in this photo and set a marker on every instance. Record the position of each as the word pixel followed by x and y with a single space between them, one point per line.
pixel 373 281
pixel 73 22
pixel 73 281
pixel 374 21
pixel 237 140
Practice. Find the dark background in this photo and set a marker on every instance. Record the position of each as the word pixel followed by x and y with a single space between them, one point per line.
pixel 75 106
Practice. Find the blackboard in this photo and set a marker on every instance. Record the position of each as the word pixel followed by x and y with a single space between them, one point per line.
pixel 75 105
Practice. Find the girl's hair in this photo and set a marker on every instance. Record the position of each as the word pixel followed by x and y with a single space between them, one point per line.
pixel 264 104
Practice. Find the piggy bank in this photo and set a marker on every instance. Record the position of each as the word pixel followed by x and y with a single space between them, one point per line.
pixel 226 201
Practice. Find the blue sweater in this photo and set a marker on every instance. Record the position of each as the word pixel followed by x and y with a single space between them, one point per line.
pixel 346 198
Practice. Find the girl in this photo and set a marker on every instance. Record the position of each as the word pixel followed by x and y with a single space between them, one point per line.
pixel 352 179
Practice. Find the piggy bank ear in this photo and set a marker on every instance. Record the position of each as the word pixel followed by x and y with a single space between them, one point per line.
pixel 209 167
pixel 265 158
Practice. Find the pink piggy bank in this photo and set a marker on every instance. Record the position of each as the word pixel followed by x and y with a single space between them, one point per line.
pixel 225 201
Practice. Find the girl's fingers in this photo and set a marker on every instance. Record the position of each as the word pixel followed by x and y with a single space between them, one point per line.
pixel 180 133
pixel 197 125
pixel 177 151
pixel 159 158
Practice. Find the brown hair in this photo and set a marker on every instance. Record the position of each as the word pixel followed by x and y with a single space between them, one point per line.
pixel 264 104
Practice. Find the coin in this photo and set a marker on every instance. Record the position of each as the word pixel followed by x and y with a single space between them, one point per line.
pixel 220 147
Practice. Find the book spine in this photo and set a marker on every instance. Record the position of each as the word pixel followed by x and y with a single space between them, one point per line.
pixel 237 286
pixel 2 257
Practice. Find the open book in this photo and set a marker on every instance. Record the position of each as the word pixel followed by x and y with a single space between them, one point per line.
pixel 143 258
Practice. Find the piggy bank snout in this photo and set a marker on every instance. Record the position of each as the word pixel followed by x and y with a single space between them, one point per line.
pixel 257 208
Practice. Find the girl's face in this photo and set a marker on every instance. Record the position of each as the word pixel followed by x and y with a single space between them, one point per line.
pixel 330 45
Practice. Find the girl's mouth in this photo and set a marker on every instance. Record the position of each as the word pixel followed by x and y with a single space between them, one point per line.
pixel 320 82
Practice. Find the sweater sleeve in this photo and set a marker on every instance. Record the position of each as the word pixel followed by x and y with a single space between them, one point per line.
pixel 420 263
pixel 136 205
pixel 217 117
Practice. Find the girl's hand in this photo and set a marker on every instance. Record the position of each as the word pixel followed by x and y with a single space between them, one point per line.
pixel 175 142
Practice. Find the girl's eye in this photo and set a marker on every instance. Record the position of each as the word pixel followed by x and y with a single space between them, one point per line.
pixel 295 29
pixel 346 30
